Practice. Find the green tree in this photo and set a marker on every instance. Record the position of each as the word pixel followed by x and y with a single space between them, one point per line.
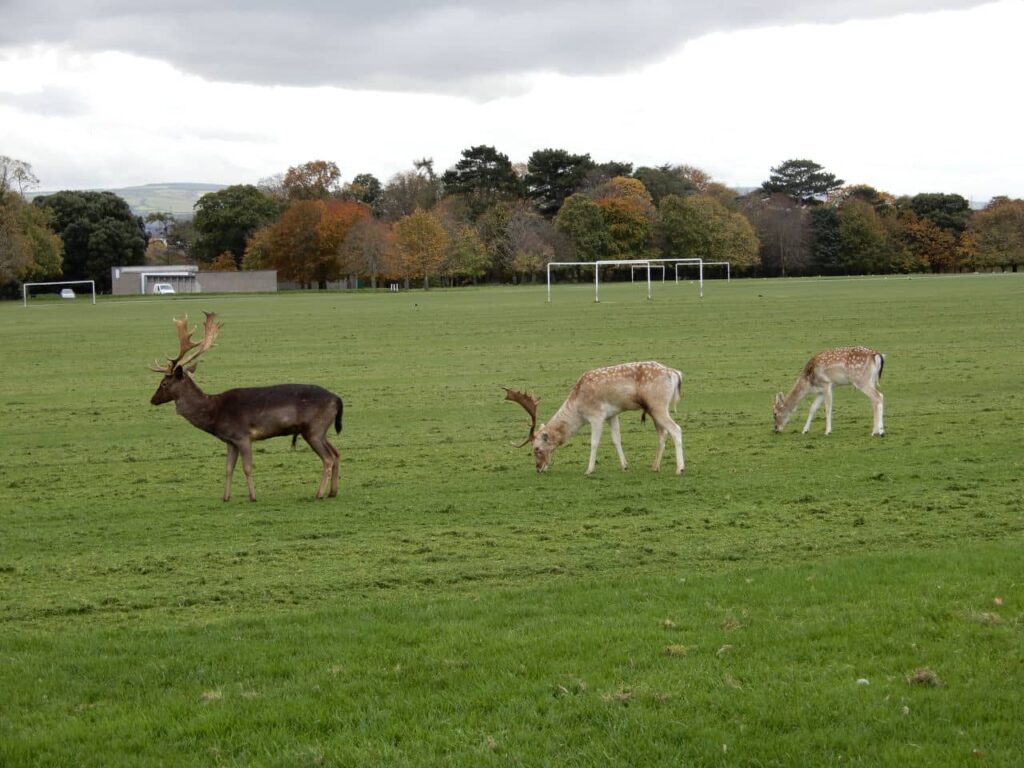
pixel 801 180
pixel 864 242
pixel 99 232
pixel 825 242
pixel 700 226
pixel 365 188
pixel 663 181
pixel 467 255
pixel 552 175
pixel 950 212
pixel 582 221
pixel 483 176
pixel 224 220
pixel 999 233
pixel 29 250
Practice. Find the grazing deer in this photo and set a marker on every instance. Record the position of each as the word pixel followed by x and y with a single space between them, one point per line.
pixel 601 395
pixel 240 416
pixel 859 366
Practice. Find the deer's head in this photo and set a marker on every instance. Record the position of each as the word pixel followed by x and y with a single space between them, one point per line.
pixel 779 412
pixel 544 443
pixel 178 370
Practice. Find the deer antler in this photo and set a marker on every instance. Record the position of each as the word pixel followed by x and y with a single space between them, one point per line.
pixel 189 350
pixel 210 330
pixel 529 403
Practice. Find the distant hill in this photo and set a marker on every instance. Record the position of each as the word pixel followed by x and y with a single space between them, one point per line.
pixel 176 198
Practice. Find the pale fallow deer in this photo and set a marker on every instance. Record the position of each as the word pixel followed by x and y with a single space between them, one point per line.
pixel 858 366
pixel 241 416
pixel 600 396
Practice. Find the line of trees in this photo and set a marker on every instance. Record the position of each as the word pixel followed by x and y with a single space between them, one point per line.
pixel 488 219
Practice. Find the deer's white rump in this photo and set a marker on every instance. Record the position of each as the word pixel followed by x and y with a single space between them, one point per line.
pixel 599 396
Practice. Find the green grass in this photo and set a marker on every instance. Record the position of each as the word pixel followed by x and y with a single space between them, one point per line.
pixel 452 607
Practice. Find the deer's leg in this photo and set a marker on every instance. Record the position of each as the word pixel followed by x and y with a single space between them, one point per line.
pixel 335 469
pixel 667 426
pixel 230 470
pixel 327 456
pixel 814 409
pixel 877 425
pixel 613 422
pixel 595 440
pixel 245 448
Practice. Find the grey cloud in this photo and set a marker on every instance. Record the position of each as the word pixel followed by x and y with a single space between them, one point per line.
pixel 52 102
pixel 437 46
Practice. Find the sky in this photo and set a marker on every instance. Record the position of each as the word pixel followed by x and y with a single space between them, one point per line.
pixel 908 96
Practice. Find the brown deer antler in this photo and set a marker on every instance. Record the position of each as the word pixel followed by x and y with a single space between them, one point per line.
pixel 529 403
pixel 186 346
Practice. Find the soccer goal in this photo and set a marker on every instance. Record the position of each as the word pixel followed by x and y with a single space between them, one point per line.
pixel 25 288
pixel 597 265
pixel 645 264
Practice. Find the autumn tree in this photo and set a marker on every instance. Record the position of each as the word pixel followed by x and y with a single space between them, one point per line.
pixel 224 220
pixel 315 180
pixel 628 215
pixel 408 190
pixel 305 243
pixel 804 181
pixel 781 225
pixel 533 240
pixel 552 175
pixel 99 231
pixel 998 230
pixel 422 243
pixel 365 249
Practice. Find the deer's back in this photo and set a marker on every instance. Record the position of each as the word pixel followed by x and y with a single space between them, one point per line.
pixel 282 409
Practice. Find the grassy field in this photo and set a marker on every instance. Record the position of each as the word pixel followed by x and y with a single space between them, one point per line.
pixel 791 600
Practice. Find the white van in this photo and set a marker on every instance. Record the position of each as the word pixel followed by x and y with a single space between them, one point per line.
pixel 163 288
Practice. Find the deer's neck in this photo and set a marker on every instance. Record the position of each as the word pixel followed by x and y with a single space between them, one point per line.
pixel 796 394
pixel 196 406
pixel 566 422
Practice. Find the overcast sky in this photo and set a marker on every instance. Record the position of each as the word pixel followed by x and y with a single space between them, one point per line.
pixel 906 95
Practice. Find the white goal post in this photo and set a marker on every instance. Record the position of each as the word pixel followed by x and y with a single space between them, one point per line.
pixel 26 286
pixel 647 264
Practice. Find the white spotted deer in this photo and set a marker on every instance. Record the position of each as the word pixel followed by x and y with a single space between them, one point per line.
pixel 241 416
pixel 858 366
pixel 600 396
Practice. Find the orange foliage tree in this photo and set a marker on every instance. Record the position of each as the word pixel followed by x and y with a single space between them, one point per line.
pixel 304 244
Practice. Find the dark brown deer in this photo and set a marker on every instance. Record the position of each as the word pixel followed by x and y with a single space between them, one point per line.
pixel 240 416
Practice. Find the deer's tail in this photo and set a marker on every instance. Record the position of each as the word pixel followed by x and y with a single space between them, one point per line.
pixel 337 416
pixel 881 365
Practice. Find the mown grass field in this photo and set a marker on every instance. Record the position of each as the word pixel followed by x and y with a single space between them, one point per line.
pixel 791 600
